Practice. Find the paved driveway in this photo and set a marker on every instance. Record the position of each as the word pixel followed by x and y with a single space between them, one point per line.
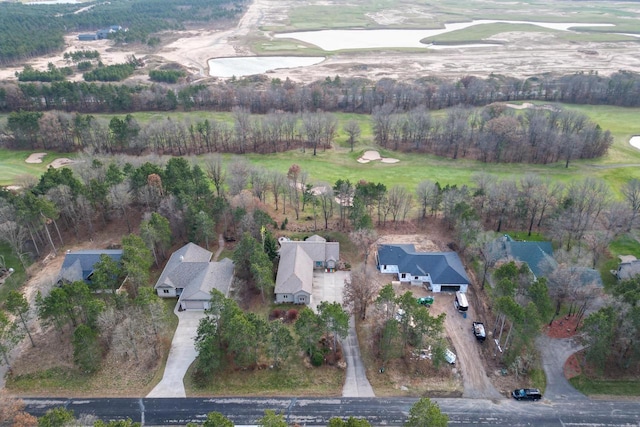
pixel 181 356
pixel 328 287
pixel 555 353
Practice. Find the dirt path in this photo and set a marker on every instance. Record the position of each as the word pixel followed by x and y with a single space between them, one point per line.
pixel 458 329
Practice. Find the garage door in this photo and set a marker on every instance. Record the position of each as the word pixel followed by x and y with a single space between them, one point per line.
pixel 449 288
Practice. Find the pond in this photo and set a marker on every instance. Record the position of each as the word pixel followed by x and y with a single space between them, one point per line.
pixel 331 40
pixel 249 65
pixel 635 141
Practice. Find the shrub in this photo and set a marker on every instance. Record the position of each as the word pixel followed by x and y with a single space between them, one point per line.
pixel 317 359
pixel 292 315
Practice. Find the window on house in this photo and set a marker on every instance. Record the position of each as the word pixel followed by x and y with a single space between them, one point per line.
pixel 165 291
pixel 403 276
pixel 286 297
pixel 416 278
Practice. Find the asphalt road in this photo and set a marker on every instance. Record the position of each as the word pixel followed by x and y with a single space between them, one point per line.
pixel 378 411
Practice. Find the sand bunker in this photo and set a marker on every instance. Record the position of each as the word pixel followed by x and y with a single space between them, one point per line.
pixel 61 162
pixel 635 141
pixel 35 158
pixel 371 155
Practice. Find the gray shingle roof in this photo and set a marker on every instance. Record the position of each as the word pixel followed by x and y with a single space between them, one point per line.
pixel 78 265
pixel 295 270
pixel 182 266
pixel 443 267
pixel 214 275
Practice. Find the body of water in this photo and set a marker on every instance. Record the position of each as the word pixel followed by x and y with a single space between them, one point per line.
pixel 331 40
pixel 635 141
pixel 246 66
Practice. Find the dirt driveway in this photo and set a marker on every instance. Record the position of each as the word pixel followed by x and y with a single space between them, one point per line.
pixel 458 329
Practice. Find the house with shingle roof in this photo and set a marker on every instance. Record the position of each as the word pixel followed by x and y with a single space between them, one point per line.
pixel 438 271
pixel 190 275
pixel 628 268
pixel 298 260
pixel 79 265
pixel 537 255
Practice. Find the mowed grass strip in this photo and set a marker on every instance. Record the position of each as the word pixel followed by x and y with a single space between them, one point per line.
pixel 591 386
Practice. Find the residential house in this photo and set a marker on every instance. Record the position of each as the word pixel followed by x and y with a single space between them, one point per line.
pixel 298 259
pixel 539 258
pixel 438 271
pixel 628 268
pixel 190 275
pixel 79 265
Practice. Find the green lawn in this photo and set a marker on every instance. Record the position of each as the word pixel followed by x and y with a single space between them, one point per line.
pixel 590 386
pixel 13 165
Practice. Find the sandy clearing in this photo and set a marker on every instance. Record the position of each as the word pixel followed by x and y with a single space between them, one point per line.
pixel 61 162
pixel 372 155
pixel 635 141
pixel 35 158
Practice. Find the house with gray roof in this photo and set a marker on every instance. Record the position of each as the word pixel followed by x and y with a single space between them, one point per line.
pixel 79 265
pixel 298 260
pixel 438 271
pixel 537 255
pixel 628 268
pixel 190 275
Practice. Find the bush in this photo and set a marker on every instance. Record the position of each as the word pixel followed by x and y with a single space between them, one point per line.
pixel 292 315
pixel 276 313
pixel 317 359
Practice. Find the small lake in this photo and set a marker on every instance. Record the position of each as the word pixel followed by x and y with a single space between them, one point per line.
pixel 249 65
pixel 331 40
pixel 635 141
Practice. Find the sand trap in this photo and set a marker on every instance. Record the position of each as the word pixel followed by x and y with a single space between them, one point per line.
pixel 635 141
pixel 61 162
pixel 371 155
pixel 35 158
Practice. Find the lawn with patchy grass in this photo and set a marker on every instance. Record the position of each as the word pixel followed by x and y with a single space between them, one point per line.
pixel 295 379
pixel 593 386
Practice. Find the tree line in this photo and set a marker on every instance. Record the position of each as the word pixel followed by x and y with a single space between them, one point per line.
pixel 27 31
pixel 492 134
pixel 261 95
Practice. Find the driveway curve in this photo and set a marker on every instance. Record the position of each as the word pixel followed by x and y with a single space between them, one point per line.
pixel 181 356
pixel 555 352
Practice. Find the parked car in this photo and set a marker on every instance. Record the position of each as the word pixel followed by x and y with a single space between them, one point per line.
pixel 426 301
pixel 526 394
pixel 478 331
pixel 450 356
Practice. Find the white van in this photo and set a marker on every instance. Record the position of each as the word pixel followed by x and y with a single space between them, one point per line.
pixel 461 303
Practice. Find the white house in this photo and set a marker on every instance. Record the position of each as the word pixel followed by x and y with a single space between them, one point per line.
pixel 438 271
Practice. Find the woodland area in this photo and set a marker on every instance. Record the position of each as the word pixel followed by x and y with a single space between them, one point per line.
pixel 184 201
pixel 493 134
pixel 27 31
pixel 261 95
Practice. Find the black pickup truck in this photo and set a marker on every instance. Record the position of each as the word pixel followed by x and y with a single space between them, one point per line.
pixel 479 332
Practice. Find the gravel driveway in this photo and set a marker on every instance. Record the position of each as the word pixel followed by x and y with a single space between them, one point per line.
pixel 469 362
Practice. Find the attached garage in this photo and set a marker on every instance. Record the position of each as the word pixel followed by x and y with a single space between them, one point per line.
pixel 451 288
